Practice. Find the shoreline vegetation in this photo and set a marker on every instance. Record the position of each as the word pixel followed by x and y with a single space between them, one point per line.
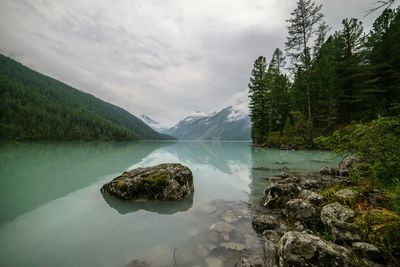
pixel 338 217
pixel 342 93
pixel 332 81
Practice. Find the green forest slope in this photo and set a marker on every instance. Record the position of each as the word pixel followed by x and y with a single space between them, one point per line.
pixel 36 107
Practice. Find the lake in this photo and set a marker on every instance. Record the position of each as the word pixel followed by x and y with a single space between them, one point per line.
pixel 53 214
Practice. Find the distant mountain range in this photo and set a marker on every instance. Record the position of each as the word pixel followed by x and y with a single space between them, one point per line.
pixel 231 123
pixel 36 107
pixel 149 121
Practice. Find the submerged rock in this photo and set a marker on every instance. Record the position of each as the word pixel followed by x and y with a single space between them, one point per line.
pixel 261 168
pixel 214 262
pixel 233 246
pixel 203 250
pixel 165 182
pixel 232 216
pixel 298 249
pixel 137 263
pixel 222 230
pixel 251 261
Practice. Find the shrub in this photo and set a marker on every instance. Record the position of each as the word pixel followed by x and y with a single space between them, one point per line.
pixel 377 143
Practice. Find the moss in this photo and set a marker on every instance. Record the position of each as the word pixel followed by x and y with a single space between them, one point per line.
pixel 393 194
pixel 329 194
pixel 154 183
pixel 121 185
pixel 327 235
pixel 380 227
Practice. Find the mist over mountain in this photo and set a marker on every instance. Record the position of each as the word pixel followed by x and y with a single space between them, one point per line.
pixel 37 107
pixel 231 123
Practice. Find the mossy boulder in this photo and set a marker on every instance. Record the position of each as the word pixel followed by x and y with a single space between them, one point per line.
pixel 170 181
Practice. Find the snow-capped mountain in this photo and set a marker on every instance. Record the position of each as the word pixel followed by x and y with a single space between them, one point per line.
pixel 149 121
pixel 153 124
pixel 231 123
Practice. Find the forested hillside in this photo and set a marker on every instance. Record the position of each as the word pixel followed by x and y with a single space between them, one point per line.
pixel 333 80
pixel 36 107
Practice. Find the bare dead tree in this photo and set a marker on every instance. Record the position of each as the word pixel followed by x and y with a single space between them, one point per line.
pixel 380 4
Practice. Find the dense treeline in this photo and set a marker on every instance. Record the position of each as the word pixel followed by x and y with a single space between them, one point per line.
pixel 342 93
pixel 349 76
pixel 36 107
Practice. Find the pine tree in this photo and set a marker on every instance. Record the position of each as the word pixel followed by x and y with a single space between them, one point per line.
pixel 351 70
pixel 383 55
pixel 258 111
pixel 278 87
pixel 324 83
pixel 302 29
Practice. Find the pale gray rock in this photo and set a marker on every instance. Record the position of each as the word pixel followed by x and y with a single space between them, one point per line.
pixel 346 194
pixel 305 250
pixel 312 197
pixel 337 218
pixel 336 212
pixel 301 210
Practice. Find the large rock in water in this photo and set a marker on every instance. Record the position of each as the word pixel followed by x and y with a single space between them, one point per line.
pixel 170 181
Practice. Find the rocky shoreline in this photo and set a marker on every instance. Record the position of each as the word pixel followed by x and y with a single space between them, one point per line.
pixel 302 219
pixel 301 227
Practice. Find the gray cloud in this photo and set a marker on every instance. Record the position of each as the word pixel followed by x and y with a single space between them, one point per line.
pixel 162 58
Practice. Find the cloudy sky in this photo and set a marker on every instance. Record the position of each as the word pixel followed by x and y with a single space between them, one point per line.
pixel 164 58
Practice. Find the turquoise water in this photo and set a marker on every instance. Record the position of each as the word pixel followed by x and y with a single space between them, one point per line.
pixel 53 214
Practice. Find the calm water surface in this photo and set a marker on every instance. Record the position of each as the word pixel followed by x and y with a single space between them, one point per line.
pixel 53 214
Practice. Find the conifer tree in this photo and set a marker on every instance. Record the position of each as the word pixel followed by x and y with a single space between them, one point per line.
pixel 305 19
pixel 351 70
pixel 278 87
pixel 257 91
